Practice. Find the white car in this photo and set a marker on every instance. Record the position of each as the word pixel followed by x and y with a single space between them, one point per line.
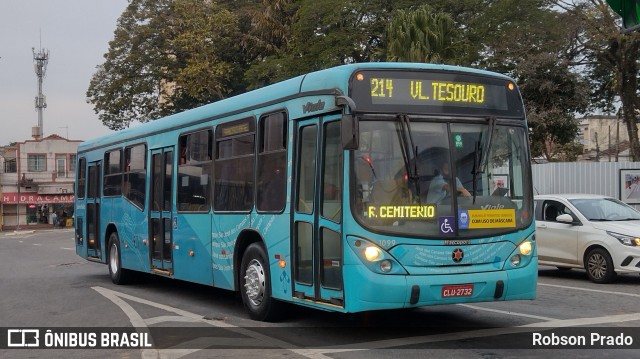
pixel 597 233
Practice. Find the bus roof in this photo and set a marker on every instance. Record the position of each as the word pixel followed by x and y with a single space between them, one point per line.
pixel 324 80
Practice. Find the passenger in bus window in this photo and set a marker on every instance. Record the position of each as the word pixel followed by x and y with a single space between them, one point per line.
pixel 183 155
pixel 439 188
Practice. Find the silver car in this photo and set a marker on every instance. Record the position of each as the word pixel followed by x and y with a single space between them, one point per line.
pixel 597 233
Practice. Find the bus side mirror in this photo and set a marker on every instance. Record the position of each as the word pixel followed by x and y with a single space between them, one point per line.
pixel 350 132
pixel 349 124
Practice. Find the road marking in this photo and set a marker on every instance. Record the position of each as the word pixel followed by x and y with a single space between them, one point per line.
pixel 507 312
pixel 630 317
pixel 590 290
pixel 169 318
pixel 68 249
pixel 319 353
pixel 37 244
pixel 140 324
pixel 482 333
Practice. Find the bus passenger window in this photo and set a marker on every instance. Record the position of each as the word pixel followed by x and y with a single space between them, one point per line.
pixel 113 173
pixel 234 166
pixel 135 172
pixel 272 163
pixel 194 171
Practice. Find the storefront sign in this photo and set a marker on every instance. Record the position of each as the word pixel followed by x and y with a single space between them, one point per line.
pixel 34 198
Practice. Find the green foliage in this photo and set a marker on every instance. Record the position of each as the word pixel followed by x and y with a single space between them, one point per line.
pixel 552 93
pixel 295 37
pixel 166 56
pixel 171 55
pixel 611 64
pixel 125 87
pixel 423 35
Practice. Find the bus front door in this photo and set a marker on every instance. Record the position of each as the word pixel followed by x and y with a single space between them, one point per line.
pixel 317 237
pixel 160 221
pixel 94 188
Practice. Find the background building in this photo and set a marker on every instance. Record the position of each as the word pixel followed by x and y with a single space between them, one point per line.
pixel 603 137
pixel 37 179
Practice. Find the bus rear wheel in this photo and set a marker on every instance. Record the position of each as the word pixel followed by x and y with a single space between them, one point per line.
pixel 118 274
pixel 255 285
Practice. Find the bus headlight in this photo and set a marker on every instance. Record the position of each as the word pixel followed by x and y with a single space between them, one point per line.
pixel 372 253
pixel 375 258
pixel 526 248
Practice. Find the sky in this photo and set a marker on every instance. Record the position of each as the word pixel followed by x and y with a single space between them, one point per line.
pixel 76 33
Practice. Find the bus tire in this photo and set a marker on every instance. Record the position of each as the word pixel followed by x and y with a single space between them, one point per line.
pixel 255 285
pixel 118 274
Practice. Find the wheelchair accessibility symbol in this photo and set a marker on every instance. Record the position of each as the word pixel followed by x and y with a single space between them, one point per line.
pixel 446 225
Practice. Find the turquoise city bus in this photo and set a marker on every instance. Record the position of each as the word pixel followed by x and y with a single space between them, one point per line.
pixel 330 190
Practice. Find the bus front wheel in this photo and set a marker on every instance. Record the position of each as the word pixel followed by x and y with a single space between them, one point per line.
pixel 255 285
pixel 118 274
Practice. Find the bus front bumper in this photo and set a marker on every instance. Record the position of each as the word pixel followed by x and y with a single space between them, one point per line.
pixel 366 290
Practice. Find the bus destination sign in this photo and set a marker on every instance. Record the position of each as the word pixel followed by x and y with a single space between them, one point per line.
pixel 435 92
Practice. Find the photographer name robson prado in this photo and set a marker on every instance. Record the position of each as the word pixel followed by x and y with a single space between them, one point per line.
pixel 593 340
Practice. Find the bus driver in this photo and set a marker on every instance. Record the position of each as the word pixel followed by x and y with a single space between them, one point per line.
pixel 439 187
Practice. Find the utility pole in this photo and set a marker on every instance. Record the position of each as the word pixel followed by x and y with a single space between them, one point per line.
pixel 609 149
pixel 597 149
pixel 40 59
pixel 618 134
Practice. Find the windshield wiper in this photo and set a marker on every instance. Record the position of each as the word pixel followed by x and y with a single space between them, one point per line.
pixel 409 149
pixel 482 154
pixel 476 167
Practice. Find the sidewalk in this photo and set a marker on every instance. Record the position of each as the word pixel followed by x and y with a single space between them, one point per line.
pixel 18 232
pixel 28 229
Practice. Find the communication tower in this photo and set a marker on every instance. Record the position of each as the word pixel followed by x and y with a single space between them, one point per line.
pixel 40 59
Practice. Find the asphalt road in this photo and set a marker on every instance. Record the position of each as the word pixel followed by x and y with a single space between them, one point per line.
pixel 45 285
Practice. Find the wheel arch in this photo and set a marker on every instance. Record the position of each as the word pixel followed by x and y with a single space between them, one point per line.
pixel 244 240
pixel 111 228
pixel 590 248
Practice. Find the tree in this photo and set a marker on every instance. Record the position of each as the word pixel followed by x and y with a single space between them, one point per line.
pixel 309 35
pixel 552 93
pixel 537 46
pixel 166 56
pixel 268 41
pixel 423 35
pixel 611 61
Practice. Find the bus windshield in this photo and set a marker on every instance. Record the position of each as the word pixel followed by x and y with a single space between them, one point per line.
pixel 452 179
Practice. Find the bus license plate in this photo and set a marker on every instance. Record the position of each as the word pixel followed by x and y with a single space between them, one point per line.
pixel 460 290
